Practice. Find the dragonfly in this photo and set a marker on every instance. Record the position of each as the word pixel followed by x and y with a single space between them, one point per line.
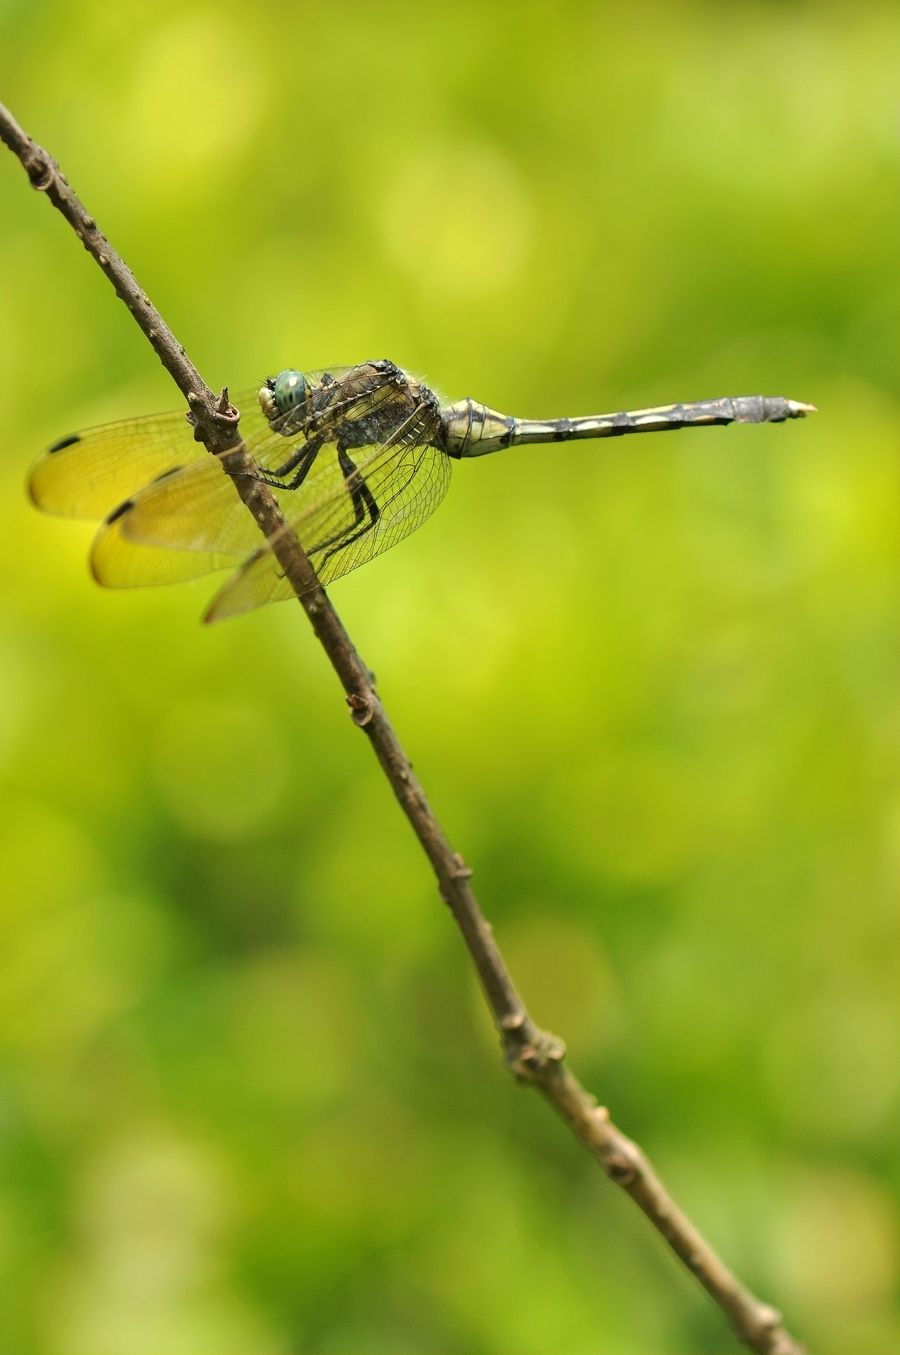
pixel 358 457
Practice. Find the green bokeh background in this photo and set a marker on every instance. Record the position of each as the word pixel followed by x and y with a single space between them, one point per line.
pixel 250 1101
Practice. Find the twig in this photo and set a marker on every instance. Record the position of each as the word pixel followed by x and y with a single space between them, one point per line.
pixel 534 1055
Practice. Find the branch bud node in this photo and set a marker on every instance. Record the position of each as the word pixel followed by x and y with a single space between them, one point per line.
pixel 769 1318
pixel 531 1054
pixel 620 1168
pixel 361 709
pixel 40 172
pixel 460 870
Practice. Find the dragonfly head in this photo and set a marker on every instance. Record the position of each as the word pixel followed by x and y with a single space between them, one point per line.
pixel 283 393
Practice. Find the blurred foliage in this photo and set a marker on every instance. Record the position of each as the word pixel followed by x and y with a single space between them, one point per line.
pixel 250 1101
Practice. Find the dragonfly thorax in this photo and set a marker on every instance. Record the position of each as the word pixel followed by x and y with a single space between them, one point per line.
pixel 359 406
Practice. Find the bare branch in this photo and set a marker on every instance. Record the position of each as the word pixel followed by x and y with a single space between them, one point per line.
pixel 533 1055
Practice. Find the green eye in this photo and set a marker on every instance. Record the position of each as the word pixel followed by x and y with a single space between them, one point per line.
pixel 289 390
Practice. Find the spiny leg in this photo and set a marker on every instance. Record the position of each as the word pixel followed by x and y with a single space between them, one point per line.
pixel 364 503
pixel 302 460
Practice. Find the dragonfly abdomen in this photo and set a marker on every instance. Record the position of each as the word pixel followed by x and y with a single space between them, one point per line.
pixel 471 429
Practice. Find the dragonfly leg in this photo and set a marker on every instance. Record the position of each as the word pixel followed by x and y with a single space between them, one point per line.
pixel 301 462
pixel 365 511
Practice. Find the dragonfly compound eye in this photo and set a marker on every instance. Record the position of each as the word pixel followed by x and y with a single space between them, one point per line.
pixel 289 390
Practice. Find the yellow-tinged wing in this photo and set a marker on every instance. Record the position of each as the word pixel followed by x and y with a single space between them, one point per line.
pixel 87 474
pixel 185 523
pixel 189 521
pixel 171 513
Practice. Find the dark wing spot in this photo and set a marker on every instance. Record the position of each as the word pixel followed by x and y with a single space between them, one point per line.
pixel 122 509
pixel 164 475
pixel 64 442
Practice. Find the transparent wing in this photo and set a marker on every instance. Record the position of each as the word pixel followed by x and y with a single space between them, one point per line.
pixel 355 469
pixel 387 494
pixel 87 474
pixel 90 473
pixel 186 523
pixel 189 520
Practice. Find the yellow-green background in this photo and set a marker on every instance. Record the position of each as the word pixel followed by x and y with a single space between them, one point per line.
pixel 250 1104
